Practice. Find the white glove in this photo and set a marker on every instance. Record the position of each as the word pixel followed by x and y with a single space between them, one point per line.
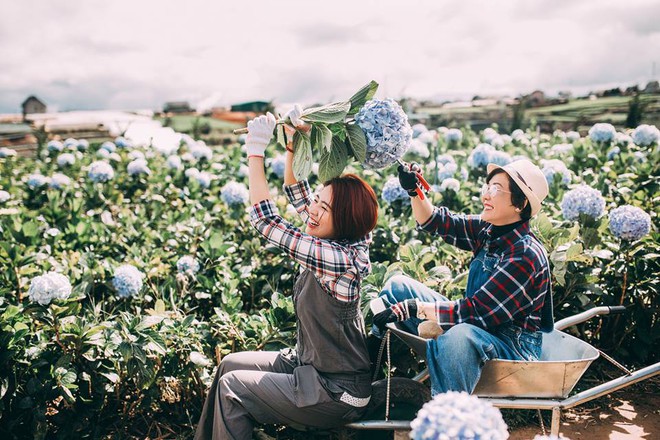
pixel 260 130
pixel 294 115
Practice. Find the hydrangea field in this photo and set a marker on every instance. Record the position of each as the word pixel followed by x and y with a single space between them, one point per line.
pixel 128 271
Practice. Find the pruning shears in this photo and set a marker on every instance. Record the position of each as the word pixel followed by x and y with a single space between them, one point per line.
pixel 422 185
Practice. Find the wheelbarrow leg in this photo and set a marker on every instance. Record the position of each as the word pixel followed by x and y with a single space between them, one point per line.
pixel 554 427
pixel 400 434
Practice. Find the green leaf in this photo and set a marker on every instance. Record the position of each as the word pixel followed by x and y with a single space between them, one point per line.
pixel 30 229
pixel 333 163
pixel 302 156
pixel 321 137
pixel 327 114
pixel 357 141
pixel 362 96
pixel 216 241
pixel 159 307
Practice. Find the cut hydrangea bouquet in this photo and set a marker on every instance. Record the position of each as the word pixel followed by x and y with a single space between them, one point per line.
pixel 374 132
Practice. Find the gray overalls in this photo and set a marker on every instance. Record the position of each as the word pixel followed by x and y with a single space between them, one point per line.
pixel 324 383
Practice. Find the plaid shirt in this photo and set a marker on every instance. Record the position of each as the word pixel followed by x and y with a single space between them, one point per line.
pixel 339 266
pixel 520 281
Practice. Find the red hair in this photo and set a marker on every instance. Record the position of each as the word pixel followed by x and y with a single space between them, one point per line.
pixel 354 207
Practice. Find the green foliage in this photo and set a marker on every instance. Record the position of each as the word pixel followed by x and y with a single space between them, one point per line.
pixel 96 365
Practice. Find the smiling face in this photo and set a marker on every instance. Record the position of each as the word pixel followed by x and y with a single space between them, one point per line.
pixel 498 209
pixel 320 215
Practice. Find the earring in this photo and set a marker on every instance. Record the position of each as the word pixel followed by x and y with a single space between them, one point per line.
pixel 518 209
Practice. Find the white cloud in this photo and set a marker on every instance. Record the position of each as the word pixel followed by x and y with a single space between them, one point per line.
pixel 125 54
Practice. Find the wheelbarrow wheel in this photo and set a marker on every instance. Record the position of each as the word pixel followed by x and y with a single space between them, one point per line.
pixel 406 398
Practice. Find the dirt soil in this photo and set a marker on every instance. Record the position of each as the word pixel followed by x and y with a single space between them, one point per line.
pixel 631 413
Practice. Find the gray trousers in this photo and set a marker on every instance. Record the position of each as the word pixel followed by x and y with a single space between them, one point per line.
pixel 263 387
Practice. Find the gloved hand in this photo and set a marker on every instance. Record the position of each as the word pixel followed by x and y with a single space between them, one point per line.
pixel 294 116
pixel 398 312
pixel 260 131
pixel 408 178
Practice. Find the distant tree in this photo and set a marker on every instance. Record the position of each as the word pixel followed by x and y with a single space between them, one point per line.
pixel 518 117
pixel 636 110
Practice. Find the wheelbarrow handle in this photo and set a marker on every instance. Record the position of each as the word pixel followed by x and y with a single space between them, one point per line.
pixel 587 315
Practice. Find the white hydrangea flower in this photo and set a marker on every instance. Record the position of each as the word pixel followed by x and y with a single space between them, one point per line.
pixel 199 359
pixel 127 280
pixel 45 288
pixel 66 159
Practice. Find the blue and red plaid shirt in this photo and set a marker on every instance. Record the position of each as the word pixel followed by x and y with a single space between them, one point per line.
pixel 339 266
pixel 518 286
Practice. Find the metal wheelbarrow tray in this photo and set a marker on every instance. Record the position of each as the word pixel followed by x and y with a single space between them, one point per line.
pixel 543 384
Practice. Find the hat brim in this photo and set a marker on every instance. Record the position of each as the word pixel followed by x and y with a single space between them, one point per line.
pixel 534 201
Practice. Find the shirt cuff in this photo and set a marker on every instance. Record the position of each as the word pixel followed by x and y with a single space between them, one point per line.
pixel 262 210
pixel 428 225
pixel 298 191
pixel 445 311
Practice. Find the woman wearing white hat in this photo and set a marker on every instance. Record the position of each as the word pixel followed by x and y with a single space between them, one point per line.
pixel 508 301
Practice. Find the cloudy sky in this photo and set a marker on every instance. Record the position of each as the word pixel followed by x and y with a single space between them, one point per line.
pixel 137 54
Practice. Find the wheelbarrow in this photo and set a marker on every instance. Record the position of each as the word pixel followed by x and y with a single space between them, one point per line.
pixel 543 385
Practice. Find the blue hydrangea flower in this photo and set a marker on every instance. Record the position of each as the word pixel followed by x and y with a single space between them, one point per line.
pixel 187 264
pixel 458 416
pixel 418 149
pixel 388 133
pixel 445 159
pixel 613 152
pixel 103 153
pixel 450 184
pixel 517 134
pixel 191 173
pixel 623 140
pixel 110 147
pixel 59 181
pixel 204 179
pixel 55 146
pixel 464 174
pixel 447 170
pixel 561 149
pixel 572 136
pixel 602 132
pixel 71 143
pixel 629 222
pixel 35 181
pixel 646 135
pixel 582 200
pixel 136 154
pixel 66 159
pixel 201 151
pixel 45 288
pixel 122 142
pixel 480 156
pixel 174 162
pixel 244 170
pixel 500 158
pixel 4 196
pixel 7 152
pixel 127 280
pixel 498 142
pixel 277 165
pixel 234 193
pixel 137 167
pixel 392 191
pixel 489 134
pixel 418 129
pixel 554 167
pixel 100 171
pixel 428 137
pixel 640 157
pixel 454 136
pixel 242 138
pixel 83 144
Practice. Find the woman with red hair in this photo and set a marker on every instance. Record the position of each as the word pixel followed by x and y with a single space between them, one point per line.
pixel 325 382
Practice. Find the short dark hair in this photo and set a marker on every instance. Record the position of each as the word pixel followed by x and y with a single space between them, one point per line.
pixel 518 198
pixel 354 207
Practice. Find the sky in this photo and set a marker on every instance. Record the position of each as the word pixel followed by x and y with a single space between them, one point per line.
pixel 139 54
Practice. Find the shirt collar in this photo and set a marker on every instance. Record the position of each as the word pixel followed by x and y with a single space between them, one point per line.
pixel 507 239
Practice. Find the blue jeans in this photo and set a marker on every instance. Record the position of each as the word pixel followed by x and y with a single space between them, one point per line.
pixel 456 357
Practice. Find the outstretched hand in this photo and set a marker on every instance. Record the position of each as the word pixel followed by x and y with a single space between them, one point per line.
pixel 409 178
pixel 398 312
pixel 260 131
